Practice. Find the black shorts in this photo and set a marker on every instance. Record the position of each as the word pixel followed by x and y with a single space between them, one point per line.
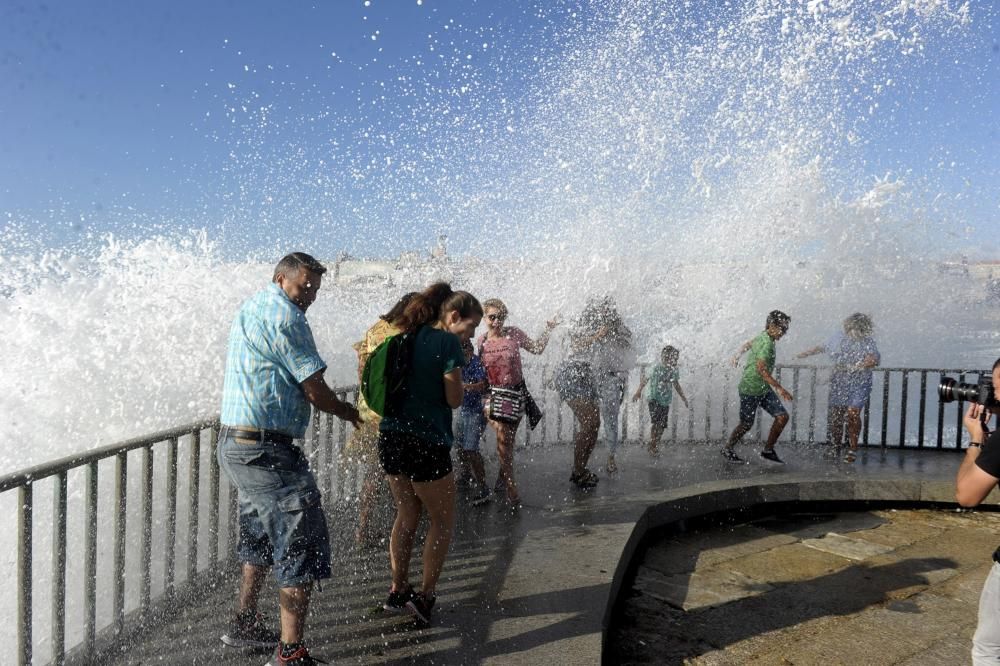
pixel 658 414
pixel 402 454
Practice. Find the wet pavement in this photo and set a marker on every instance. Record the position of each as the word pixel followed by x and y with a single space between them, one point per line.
pixel 532 586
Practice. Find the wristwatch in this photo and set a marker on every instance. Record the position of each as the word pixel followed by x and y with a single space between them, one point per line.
pixel 975 445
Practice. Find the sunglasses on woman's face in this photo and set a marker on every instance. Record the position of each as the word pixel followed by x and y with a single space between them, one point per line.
pixel 494 317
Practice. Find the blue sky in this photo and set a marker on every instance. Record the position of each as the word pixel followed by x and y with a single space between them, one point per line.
pixel 133 117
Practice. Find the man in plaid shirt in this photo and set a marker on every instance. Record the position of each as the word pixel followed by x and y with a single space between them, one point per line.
pixel 274 375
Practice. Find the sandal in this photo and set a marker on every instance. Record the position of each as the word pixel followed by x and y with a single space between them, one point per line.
pixel 585 479
pixel 850 457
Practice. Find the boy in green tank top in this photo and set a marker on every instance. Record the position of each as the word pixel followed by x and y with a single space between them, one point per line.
pixel 758 388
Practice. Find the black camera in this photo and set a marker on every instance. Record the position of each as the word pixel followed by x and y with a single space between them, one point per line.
pixel 950 390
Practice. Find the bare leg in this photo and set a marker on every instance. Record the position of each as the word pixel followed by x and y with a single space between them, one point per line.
pixel 250 584
pixel 835 415
pixel 776 428
pixel 505 452
pixel 655 432
pixel 438 497
pixel 294 602
pixel 371 492
pixel 853 426
pixel 474 460
pixel 738 432
pixel 588 415
pixel 404 529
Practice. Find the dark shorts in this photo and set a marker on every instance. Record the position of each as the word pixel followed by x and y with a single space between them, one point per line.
pixel 574 380
pixel 402 454
pixel 769 402
pixel 658 414
pixel 281 519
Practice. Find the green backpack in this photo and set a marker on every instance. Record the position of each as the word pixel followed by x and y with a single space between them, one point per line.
pixel 383 381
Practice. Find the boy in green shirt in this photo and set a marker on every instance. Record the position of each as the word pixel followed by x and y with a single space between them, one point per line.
pixel 758 387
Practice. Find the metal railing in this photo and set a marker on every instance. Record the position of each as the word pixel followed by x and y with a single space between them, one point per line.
pixel 903 412
pixel 156 542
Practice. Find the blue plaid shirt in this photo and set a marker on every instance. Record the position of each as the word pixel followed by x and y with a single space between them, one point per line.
pixel 271 351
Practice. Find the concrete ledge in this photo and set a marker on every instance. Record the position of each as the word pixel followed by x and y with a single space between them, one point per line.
pixel 725 498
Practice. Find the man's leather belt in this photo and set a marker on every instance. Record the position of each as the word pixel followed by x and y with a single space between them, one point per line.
pixel 262 436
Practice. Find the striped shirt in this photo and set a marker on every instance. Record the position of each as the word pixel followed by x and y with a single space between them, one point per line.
pixel 271 352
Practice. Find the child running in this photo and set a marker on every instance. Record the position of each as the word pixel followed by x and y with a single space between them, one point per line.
pixel 472 421
pixel 663 380
pixel 758 387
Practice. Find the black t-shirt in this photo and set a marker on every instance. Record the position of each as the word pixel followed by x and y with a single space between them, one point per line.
pixel 989 457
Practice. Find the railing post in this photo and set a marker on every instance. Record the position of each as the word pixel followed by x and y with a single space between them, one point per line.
pixel 902 409
pixel 795 405
pixel 90 562
pixel 194 492
pixel 25 508
pixel 708 408
pixel 146 538
pixel 885 406
pixel 59 504
pixel 118 575
pixel 940 420
pixel 213 496
pixel 958 417
pixel 923 408
pixel 170 530
pixel 812 405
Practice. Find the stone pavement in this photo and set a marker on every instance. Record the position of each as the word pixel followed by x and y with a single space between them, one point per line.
pixel 533 587
pixel 872 587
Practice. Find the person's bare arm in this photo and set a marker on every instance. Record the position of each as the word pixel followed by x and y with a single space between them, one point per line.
pixel 642 384
pixel 744 348
pixel 973 483
pixel 869 361
pixel 771 381
pixel 538 345
pixel 476 386
pixel 453 390
pixel 677 387
pixel 811 352
pixel 324 399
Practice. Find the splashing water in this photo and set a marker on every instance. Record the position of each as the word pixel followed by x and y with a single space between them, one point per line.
pixel 702 168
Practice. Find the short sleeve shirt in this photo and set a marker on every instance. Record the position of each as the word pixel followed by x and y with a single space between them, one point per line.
pixel 502 356
pixel 425 412
pixel 473 373
pixel 762 349
pixel 271 352
pixel 989 457
pixel 661 384
pixel 848 353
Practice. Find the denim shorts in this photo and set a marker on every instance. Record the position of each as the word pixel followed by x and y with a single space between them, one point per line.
pixel 473 425
pixel 769 402
pixel 282 523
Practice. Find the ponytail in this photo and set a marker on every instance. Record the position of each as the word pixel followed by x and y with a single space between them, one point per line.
pixel 432 303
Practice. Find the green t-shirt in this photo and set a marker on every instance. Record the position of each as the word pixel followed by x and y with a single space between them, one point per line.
pixel 661 384
pixel 424 412
pixel 762 349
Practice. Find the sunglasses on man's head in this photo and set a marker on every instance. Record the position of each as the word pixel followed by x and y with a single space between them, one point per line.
pixel 495 317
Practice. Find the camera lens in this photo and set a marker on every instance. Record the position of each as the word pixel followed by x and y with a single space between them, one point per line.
pixel 950 390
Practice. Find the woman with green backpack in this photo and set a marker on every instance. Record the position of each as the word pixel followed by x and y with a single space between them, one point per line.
pixel 415 434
